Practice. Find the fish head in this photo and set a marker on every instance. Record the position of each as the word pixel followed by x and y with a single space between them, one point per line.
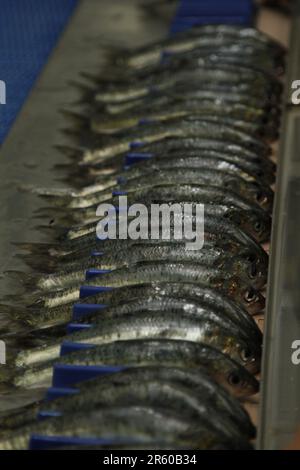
pixel 252 191
pixel 252 266
pixel 251 299
pixel 262 195
pixel 243 349
pixel 237 379
pixel 256 223
pixel 247 270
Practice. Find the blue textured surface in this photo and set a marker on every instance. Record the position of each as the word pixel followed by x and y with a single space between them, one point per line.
pixel 29 29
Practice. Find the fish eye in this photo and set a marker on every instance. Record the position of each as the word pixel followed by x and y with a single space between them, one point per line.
pixel 252 271
pixel 246 355
pixel 258 226
pixel 250 296
pixel 234 379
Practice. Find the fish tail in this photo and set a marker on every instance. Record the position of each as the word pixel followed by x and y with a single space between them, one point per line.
pixel 72 134
pixel 6 377
pixel 39 249
pixel 42 264
pixel 79 121
pixel 73 152
pixel 86 92
pixel 30 281
pixel 54 228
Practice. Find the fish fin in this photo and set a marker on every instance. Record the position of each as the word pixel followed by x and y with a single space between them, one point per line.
pixel 6 377
pixel 58 232
pixel 72 134
pixel 42 264
pixel 25 279
pixel 72 152
pixel 39 249
pixel 87 92
pixel 79 121
pixel 49 192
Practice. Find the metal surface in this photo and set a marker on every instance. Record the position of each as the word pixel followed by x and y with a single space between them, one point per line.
pixel 280 397
pixel 28 156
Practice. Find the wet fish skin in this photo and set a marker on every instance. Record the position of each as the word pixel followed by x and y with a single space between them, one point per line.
pixel 210 94
pixel 233 54
pixel 217 230
pixel 209 296
pixel 118 424
pixel 217 202
pixel 44 320
pixel 215 256
pixel 250 190
pixel 212 329
pixel 179 128
pixel 168 146
pixel 203 159
pixel 260 168
pixel 256 171
pixel 151 55
pixel 148 352
pixel 172 145
pixel 254 119
pixel 147 271
pixel 199 386
pixel 196 380
pixel 217 74
pixel 159 305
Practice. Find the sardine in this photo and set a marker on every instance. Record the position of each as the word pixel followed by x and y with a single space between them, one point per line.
pixel 212 35
pixel 179 128
pixel 212 329
pixel 243 79
pixel 134 424
pixel 197 381
pixel 248 189
pixel 148 352
pixel 218 257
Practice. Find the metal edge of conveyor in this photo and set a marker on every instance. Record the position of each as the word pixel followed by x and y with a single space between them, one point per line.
pixel 280 393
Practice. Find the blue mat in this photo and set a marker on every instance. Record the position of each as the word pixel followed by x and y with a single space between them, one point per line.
pixel 29 29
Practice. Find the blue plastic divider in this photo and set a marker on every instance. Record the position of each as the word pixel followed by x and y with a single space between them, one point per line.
pixel 67 375
pixel 86 291
pixel 81 310
pixel 75 327
pixel 191 13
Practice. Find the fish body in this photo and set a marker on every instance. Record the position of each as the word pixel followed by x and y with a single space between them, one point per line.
pixel 179 128
pixel 212 328
pixel 160 305
pixel 221 75
pixel 149 352
pixel 134 424
pixel 198 382
pixel 214 256
pixel 248 189
pixel 255 118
